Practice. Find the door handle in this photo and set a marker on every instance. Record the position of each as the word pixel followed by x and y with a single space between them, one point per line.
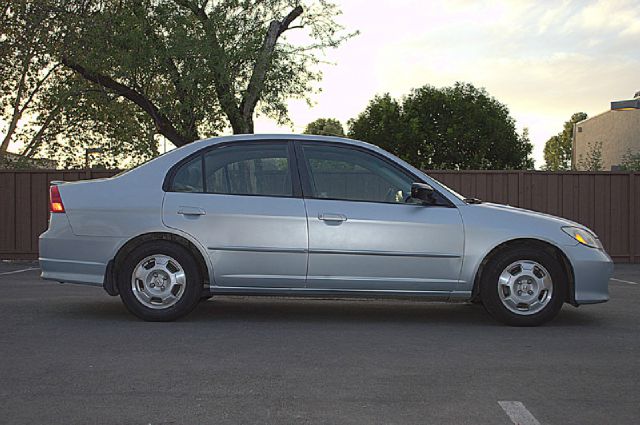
pixel 332 217
pixel 191 211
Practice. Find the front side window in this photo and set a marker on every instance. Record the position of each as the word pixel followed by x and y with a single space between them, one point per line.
pixel 353 175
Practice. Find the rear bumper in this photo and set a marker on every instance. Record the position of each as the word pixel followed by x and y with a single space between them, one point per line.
pixel 592 269
pixel 65 257
pixel 66 271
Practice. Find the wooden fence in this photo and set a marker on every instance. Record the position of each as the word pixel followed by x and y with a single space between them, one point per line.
pixel 24 207
pixel 607 202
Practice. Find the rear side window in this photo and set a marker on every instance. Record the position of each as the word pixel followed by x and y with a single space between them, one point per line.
pixel 251 169
pixel 260 169
pixel 188 178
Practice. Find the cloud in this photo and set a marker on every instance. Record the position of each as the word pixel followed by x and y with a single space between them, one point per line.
pixel 544 59
pixel 617 16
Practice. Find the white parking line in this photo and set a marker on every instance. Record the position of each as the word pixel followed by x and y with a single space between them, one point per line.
pixel 518 414
pixel 626 281
pixel 20 271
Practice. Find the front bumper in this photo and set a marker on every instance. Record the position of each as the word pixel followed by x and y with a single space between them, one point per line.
pixel 592 269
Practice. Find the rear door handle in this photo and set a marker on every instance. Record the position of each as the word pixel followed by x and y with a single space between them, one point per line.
pixel 332 217
pixel 191 211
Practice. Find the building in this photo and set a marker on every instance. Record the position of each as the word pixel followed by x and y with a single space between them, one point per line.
pixel 10 160
pixel 615 132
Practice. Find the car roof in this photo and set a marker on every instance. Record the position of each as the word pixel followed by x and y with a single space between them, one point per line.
pixel 281 136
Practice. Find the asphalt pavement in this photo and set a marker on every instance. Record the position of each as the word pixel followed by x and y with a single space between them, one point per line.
pixel 71 354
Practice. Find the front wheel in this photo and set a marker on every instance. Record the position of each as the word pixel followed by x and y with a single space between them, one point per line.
pixel 160 281
pixel 523 287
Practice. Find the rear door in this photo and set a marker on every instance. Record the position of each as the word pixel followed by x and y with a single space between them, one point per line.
pixel 364 231
pixel 242 202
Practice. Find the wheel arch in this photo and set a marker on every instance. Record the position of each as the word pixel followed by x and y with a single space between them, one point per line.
pixel 110 285
pixel 554 250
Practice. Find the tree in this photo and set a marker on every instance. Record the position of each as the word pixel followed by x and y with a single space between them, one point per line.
pixel 189 64
pixel 325 127
pixel 555 155
pixel 26 69
pixel 593 159
pixel 380 124
pixel 458 127
pixel 48 109
pixel 557 150
pixel 630 161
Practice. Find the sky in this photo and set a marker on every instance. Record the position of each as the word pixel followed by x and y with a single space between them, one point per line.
pixel 544 59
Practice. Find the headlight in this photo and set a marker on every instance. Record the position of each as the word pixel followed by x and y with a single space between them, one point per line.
pixel 583 236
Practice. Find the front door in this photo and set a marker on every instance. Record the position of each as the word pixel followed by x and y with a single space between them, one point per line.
pixel 364 231
pixel 241 201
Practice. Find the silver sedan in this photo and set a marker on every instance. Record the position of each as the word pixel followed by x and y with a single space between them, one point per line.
pixel 294 215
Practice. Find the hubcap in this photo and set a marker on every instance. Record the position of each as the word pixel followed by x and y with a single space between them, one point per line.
pixel 525 287
pixel 158 281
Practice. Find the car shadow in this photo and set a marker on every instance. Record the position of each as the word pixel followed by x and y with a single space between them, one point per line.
pixel 270 309
pixel 350 310
pixel 337 310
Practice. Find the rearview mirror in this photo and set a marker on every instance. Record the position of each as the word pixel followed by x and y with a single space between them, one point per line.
pixel 423 192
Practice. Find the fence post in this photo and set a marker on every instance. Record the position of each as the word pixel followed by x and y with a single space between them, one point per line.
pixel 521 189
pixel 632 217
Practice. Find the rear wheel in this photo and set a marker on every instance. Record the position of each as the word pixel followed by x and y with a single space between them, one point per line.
pixel 160 281
pixel 523 286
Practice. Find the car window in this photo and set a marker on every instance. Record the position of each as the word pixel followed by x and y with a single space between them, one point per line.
pixel 354 175
pixel 188 178
pixel 252 169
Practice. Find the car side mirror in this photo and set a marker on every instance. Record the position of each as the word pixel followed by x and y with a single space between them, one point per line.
pixel 423 192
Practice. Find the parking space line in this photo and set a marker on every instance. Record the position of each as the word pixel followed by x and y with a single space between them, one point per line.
pixel 518 414
pixel 626 281
pixel 19 271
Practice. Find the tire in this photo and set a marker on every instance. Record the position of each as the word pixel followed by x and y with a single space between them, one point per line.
pixel 523 286
pixel 160 281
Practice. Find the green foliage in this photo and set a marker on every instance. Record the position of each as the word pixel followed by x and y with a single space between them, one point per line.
pixel 458 127
pixel 630 161
pixel 97 119
pixel 18 163
pixel 325 127
pixel 198 66
pixel 58 114
pixel 124 72
pixel 26 68
pixel 593 159
pixel 556 157
pixel 557 150
pixel 380 124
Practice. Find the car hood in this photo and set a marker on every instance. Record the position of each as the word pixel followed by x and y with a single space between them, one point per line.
pixel 529 213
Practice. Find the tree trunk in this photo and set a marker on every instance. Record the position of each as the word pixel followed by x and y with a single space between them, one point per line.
pixel 242 125
pixel 17 111
pixel 7 139
pixel 161 121
pixel 35 142
pixel 241 116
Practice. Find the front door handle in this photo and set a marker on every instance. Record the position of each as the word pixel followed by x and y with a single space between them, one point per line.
pixel 191 211
pixel 332 217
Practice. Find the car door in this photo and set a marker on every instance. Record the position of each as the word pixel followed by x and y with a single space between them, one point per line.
pixel 365 233
pixel 242 202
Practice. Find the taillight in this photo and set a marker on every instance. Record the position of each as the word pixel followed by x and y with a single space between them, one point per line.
pixel 55 200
